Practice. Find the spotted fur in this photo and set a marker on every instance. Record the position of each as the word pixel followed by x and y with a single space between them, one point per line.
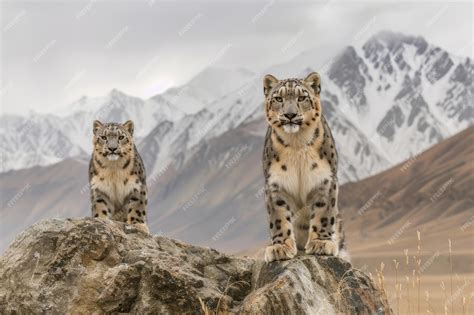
pixel 117 176
pixel 300 169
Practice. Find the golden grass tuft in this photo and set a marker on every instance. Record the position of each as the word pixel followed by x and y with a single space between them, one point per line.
pixel 455 299
pixel 218 311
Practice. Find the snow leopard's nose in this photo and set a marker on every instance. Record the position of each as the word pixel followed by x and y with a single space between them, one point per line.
pixel 290 116
pixel 112 145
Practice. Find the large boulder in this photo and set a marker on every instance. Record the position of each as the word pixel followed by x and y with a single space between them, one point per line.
pixel 86 266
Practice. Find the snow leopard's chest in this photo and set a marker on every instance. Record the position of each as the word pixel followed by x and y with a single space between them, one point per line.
pixel 300 171
pixel 116 184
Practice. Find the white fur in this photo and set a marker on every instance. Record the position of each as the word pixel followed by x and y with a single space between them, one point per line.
pixel 291 128
pixel 112 157
pixel 344 254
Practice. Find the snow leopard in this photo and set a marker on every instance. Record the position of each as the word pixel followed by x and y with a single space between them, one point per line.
pixel 300 168
pixel 117 176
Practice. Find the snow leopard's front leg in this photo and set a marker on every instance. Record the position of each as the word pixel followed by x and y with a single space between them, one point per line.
pixel 323 238
pixel 135 206
pixel 281 209
pixel 102 207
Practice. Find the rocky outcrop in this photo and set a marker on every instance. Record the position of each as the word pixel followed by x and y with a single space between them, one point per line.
pixel 86 266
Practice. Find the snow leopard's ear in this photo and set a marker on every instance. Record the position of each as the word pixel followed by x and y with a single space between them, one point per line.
pixel 129 127
pixel 96 126
pixel 313 80
pixel 269 83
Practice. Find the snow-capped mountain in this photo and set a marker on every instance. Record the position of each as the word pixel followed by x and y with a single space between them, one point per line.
pixel 386 100
pixel 404 92
pixel 40 139
pixel 34 140
pixel 73 124
pixel 206 87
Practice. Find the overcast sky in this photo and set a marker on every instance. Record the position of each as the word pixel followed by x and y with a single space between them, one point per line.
pixel 54 52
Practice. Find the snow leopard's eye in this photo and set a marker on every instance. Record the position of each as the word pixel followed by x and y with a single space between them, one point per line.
pixel 302 98
pixel 121 137
pixel 278 99
pixel 103 137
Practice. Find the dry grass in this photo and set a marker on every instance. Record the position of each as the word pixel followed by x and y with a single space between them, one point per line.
pixel 398 286
pixel 204 307
pixel 455 297
pixel 220 310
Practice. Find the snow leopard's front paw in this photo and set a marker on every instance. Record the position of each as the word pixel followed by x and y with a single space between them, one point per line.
pixel 284 251
pixel 142 227
pixel 321 247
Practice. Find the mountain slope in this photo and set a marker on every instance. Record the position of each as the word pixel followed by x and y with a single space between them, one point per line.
pixel 57 191
pixel 431 192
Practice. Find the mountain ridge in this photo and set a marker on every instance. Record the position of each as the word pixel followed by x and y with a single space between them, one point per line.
pixel 383 70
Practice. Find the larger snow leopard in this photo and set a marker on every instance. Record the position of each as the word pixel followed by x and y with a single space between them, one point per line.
pixel 300 168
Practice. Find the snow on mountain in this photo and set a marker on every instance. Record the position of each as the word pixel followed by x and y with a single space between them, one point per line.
pixel 120 107
pixel 424 94
pixel 178 142
pixel 45 139
pixel 33 140
pixel 206 87
pixel 386 100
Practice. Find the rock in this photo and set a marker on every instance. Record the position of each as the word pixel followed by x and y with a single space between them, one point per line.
pixel 92 266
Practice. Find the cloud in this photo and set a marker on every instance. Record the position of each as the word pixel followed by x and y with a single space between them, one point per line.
pixel 103 45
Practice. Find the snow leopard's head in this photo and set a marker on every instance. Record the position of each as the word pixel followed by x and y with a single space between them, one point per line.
pixel 292 104
pixel 113 141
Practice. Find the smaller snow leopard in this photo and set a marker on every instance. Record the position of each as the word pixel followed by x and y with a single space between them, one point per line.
pixel 117 175
pixel 300 168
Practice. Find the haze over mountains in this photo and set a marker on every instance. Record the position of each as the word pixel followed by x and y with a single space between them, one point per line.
pixel 386 100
